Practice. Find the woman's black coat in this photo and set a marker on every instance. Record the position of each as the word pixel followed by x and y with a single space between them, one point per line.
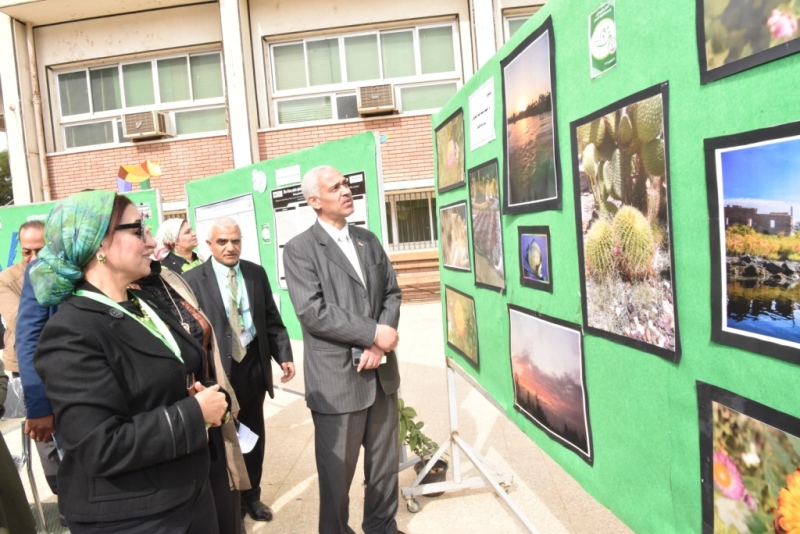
pixel 135 443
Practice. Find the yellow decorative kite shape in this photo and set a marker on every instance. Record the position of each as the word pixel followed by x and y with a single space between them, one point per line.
pixel 136 174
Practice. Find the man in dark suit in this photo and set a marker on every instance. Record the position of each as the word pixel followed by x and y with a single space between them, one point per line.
pixel 346 297
pixel 236 296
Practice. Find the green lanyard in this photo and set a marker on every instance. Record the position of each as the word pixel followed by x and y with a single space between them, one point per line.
pixel 152 321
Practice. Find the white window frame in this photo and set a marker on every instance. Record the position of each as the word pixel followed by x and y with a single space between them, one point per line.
pixel 115 115
pixel 347 87
pixel 517 14
pixel 399 100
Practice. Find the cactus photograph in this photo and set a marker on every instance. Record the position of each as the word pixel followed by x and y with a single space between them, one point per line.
pixel 450 153
pixel 620 161
pixel 536 270
pixel 549 380
pixel 487 230
pixel 753 181
pixel 531 171
pixel 751 464
pixel 453 236
pixel 735 35
pixel 462 326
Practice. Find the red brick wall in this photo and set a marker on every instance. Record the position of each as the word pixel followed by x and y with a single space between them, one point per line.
pixel 406 154
pixel 181 161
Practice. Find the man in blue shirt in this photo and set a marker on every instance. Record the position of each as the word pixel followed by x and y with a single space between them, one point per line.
pixel 40 423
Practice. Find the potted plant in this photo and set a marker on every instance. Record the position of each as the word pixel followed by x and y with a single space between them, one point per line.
pixel 410 433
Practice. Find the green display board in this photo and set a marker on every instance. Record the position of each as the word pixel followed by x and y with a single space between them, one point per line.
pixel 255 186
pixel 11 217
pixel 642 406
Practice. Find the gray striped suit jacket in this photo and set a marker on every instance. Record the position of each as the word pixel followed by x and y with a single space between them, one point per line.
pixel 337 312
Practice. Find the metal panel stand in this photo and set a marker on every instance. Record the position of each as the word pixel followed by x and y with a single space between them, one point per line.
pixel 27 459
pixel 489 474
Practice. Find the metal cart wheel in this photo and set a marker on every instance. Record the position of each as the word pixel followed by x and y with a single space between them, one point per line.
pixel 413 505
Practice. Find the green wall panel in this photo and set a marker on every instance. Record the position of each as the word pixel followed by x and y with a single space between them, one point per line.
pixel 353 154
pixel 642 408
pixel 11 217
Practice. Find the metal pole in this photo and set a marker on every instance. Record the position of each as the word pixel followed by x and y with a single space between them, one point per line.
pixel 26 458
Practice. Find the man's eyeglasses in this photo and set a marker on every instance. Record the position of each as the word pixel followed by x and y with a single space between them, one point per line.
pixel 140 227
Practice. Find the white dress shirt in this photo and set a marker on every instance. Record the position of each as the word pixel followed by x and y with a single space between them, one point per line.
pixel 221 273
pixel 342 238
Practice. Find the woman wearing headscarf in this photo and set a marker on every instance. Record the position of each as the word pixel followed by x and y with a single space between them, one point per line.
pixel 121 376
pixel 175 244
pixel 228 474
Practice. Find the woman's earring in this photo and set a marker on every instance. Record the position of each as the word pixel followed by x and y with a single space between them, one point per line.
pixel 101 257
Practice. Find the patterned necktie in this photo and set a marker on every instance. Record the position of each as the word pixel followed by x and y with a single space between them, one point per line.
pixel 234 318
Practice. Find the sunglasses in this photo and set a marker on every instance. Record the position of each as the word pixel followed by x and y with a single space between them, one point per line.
pixel 141 228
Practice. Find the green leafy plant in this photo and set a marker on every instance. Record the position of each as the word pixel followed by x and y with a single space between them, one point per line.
pixel 410 432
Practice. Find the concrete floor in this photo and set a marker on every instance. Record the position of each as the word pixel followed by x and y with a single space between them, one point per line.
pixel 552 501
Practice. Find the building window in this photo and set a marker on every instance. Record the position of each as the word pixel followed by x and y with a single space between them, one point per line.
pixel 93 100
pixel 411 220
pixel 316 79
pixel 513 19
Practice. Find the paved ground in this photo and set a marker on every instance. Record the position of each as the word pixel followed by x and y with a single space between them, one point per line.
pixel 552 501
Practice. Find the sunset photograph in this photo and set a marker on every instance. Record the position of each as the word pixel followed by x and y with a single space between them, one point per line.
pixel 549 386
pixel 531 163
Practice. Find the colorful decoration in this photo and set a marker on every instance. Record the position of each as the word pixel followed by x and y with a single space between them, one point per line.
pixel 137 174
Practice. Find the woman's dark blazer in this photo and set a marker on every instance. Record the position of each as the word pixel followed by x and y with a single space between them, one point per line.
pixel 175 262
pixel 135 443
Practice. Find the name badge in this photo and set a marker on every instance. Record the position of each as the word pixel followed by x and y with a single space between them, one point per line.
pixel 245 338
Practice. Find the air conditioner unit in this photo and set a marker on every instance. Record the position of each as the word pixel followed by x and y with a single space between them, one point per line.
pixel 376 99
pixel 147 125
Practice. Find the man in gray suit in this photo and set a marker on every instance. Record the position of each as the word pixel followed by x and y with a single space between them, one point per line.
pixel 346 297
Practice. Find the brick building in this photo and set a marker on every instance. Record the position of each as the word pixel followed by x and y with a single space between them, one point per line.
pixel 773 223
pixel 223 84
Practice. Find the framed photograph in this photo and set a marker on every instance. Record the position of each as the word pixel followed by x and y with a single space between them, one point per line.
pixel 749 464
pixel 620 158
pixel 550 378
pixel 487 229
pixel 453 236
pixel 739 35
pixel 450 152
pixel 462 325
pixel 535 263
pixel 755 267
pixel 532 172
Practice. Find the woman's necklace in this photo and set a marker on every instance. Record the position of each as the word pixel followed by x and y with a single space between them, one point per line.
pixel 184 324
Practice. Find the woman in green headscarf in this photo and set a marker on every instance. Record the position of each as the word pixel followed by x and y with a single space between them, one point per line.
pixel 130 417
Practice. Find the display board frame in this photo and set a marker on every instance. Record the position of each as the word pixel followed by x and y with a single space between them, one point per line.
pixel 633 338
pixel 771 53
pixel 720 467
pixel 488 245
pixel 543 34
pixel 763 141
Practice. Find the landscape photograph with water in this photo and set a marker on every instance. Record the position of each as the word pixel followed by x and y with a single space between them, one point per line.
pixel 549 378
pixel 755 181
pixel 751 464
pixel 621 167
pixel 487 230
pixel 531 172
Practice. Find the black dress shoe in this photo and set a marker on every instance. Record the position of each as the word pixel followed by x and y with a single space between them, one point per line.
pixel 259 511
